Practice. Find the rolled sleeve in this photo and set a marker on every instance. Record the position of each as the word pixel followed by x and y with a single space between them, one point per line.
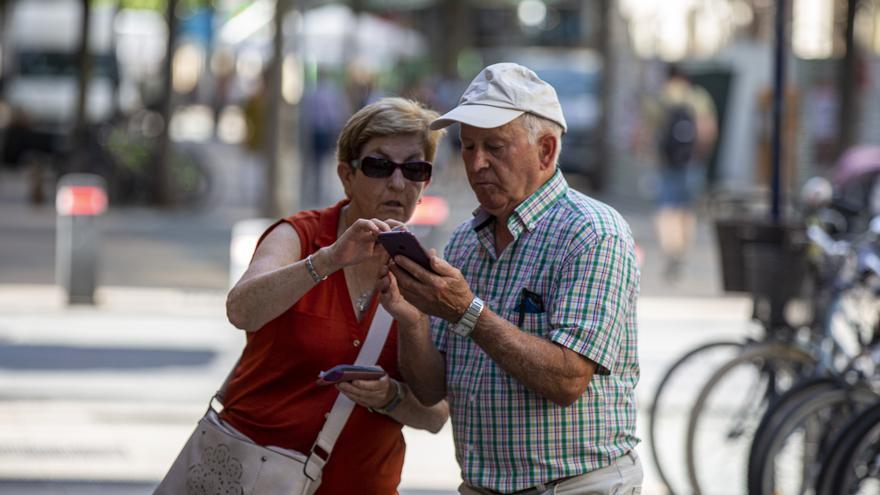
pixel 590 314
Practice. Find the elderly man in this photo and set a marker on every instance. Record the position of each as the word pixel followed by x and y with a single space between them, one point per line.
pixel 533 331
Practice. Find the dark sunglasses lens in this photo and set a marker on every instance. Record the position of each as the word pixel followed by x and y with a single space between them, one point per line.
pixel 416 171
pixel 377 168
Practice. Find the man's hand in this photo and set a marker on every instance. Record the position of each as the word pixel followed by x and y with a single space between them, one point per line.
pixel 444 293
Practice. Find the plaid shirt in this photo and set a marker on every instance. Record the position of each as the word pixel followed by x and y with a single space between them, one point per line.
pixel 578 255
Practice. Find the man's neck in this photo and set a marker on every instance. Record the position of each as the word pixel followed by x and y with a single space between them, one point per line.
pixel 503 236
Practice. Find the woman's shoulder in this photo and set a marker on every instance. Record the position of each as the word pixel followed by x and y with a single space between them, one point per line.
pixel 311 224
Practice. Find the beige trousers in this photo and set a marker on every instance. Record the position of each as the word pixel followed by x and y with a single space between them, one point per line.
pixel 622 477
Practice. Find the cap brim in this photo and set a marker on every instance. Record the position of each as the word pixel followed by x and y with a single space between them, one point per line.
pixel 482 116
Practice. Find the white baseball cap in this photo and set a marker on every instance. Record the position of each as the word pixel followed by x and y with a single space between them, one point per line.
pixel 501 93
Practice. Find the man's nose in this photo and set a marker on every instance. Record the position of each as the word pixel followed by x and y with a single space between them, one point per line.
pixel 480 160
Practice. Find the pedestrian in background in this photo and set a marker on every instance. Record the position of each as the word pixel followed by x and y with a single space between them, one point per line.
pixel 532 335
pixel 684 127
pixel 307 301
pixel 325 108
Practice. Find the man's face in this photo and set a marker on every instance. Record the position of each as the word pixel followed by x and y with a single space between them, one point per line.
pixel 502 167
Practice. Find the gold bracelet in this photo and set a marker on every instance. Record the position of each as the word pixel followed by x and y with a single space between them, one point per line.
pixel 312 272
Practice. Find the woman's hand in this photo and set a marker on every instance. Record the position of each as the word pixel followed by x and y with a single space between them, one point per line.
pixel 369 393
pixel 389 295
pixel 358 242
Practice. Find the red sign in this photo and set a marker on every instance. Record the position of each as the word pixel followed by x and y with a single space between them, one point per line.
pixel 433 210
pixel 81 200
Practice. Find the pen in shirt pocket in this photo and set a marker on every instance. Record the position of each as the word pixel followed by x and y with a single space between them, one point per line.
pixel 529 302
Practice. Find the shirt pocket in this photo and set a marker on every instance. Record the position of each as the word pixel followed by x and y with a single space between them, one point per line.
pixel 537 324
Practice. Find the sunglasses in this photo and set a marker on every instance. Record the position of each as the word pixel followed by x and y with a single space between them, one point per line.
pixel 380 168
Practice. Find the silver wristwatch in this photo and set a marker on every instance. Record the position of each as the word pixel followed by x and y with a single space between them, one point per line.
pixel 468 320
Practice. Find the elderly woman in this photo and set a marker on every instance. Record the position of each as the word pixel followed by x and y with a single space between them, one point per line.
pixel 308 298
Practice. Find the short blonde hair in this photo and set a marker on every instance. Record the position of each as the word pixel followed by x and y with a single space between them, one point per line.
pixel 388 117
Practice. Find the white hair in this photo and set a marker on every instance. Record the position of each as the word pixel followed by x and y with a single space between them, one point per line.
pixel 537 126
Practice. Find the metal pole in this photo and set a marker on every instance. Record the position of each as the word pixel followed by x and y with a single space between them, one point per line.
pixel 778 107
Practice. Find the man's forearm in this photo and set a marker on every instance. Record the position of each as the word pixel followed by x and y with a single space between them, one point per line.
pixel 421 364
pixel 548 369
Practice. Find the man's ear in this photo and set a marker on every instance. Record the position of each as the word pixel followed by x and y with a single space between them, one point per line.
pixel 346 176
pixel 547 146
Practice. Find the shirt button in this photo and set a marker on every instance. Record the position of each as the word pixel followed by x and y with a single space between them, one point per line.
pixel 356 343
pixel 473 398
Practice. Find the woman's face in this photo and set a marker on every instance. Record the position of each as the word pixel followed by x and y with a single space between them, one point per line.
pixel 391 197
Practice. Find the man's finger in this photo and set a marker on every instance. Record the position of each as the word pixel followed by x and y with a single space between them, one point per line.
pixel 404 278
pixel 413 268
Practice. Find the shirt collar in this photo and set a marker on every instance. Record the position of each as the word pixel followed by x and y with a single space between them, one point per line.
pixel 328 222
pixel 526 215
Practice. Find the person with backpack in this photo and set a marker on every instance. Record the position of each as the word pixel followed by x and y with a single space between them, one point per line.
pixel 686 129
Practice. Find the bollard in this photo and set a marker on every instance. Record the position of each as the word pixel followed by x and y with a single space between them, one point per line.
pixel 79 199
pixel 245 235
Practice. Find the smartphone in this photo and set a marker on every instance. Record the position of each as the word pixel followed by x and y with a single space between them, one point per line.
pixel 403 242
pixel 349 372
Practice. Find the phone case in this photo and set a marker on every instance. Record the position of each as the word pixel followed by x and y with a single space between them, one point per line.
pixel 349 372
pixel 404 243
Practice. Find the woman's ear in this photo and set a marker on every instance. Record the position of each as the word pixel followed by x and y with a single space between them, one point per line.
pixel 346 176
pixel 547 146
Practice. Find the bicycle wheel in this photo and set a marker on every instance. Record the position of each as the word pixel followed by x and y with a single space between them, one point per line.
pixel 728 409
pixel 795 453
pixel 667 416
pixel 853 465
pixel 774 417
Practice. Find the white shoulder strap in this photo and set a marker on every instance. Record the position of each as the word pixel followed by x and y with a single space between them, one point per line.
pixel 343 406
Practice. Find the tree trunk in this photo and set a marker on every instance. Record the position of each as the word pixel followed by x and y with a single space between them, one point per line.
pixel 455 36
pixel 161 192
pixel 272 202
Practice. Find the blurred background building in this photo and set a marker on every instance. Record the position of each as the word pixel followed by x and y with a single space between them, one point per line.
pixel 244 71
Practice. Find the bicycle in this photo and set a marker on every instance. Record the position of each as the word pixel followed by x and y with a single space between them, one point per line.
pixel 813 351
pixel 688 375
pixel 853 464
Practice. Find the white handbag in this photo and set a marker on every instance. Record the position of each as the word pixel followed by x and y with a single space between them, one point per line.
pixel 217 460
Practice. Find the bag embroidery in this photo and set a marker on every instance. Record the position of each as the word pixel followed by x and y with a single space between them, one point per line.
pixel 217 473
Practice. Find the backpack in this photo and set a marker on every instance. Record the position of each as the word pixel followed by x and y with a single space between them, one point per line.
pixel 678 135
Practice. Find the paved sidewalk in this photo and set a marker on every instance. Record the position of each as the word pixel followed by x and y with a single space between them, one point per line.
pixel 109 393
